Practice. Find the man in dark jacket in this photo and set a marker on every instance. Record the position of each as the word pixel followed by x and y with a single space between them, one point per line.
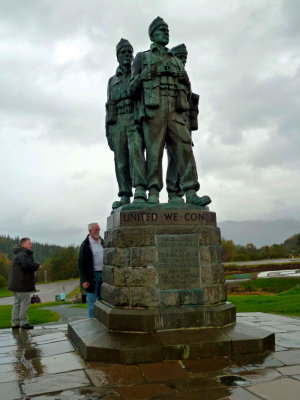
pixel 90 265
pixel 22 283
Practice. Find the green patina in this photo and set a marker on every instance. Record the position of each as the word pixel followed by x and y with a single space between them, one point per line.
pixel 151 107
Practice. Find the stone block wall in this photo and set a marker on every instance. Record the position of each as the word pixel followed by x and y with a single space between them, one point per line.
pixel 164 261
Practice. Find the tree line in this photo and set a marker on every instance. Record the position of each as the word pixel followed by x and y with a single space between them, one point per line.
pixel 232 252
pixel 57 262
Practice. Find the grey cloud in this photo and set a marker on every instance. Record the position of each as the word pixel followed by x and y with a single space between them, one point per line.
pixel 236 62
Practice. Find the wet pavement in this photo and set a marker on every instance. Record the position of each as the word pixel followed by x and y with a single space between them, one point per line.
pixel 42 364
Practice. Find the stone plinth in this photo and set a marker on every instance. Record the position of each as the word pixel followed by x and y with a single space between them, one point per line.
pixel 164 296
pixel 96 343
pixel 163 270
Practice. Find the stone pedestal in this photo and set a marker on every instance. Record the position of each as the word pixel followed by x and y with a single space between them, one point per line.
pixel 163 270
pixel 163 292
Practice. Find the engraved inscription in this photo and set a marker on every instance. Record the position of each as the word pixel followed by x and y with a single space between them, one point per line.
pixel 160 217
pixel 178 261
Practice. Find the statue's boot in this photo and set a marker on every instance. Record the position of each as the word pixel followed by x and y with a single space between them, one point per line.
pixel 197 200
pixel 175 198
pixel 124 200
pixel 153 196
pixel 140 195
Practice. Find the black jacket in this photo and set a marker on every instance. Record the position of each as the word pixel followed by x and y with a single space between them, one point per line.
pixel 21 277
pixel 86 264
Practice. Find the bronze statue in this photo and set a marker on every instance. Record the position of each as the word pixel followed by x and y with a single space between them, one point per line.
pixel 160 87
pixel 123 135
pixel 191 119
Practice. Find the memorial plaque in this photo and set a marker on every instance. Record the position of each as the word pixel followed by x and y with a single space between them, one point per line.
pixel 178 262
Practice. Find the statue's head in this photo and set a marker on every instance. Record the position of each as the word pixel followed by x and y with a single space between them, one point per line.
pixel 180 52
pixel 124 52
pixel 159 31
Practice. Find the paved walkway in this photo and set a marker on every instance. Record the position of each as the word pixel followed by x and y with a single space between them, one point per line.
pixel 43 365
pixel 47 291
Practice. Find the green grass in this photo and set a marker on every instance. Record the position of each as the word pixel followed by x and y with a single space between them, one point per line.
pixel 286 303
pixel 79 305
pixel 36 315
pixel 5 292
pixel 74 292
pixel 239 276
pixel 52 303
pixel 271 285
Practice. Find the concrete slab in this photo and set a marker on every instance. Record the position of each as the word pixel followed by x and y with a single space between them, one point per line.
pixel 7 359
pixel 10 391
pixel 55 383
pixel 288 357
pixel 266 376
pixel 291 370
pixel 50 349
pixel 289 339
pixel 285 388
pixel 261 375
pixel 57 364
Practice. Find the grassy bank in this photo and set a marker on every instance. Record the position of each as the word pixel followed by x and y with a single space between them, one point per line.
pixel 5 292
pixel 37 315
pixel 285 303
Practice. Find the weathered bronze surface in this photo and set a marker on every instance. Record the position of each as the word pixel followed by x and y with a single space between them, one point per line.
pixel 149 110
pixel 123 135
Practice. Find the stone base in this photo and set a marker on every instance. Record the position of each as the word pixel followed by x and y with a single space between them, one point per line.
pixel 96 343
pixel 145 320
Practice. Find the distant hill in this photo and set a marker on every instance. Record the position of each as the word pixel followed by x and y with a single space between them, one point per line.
pixel 259 232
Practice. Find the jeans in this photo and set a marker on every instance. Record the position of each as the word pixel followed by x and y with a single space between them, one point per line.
pixel 93 297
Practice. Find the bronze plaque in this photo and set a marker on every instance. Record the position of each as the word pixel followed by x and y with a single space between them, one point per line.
pixel 178 261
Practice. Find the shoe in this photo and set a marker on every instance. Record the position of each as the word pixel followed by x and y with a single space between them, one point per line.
pixel 140 194
pixel 27 326
pixel 175 199
pixel 153 196
pixel 198 201
pixel 15 327
pixel 124 200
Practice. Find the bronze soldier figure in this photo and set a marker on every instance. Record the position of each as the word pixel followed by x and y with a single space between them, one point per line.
pixel 191 119
pixel 160 86
pixel 123 135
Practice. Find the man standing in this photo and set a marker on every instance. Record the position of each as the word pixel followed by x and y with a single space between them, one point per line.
pixel 22 283
pixel 161 87
pixel 90 265
pixel 123 135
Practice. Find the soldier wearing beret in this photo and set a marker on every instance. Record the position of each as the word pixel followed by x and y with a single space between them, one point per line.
pixel 161 88
pixel 123 135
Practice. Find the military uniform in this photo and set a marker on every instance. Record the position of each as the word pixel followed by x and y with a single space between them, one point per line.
pixel 161 88
pixel 123 135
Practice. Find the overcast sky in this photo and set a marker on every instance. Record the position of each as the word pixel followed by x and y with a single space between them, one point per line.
pixel 57 171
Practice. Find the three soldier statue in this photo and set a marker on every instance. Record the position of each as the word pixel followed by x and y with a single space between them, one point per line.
pixel 150 107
